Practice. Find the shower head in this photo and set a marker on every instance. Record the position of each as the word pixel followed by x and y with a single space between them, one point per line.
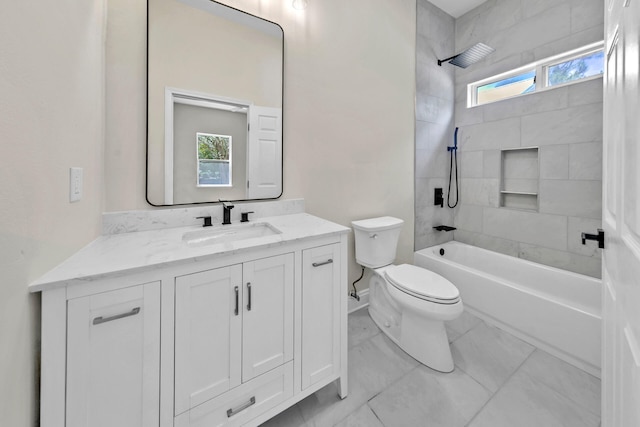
pixel 470 56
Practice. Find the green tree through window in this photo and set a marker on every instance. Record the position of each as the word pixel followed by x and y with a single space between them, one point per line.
pixel 213 147
pixel 576 69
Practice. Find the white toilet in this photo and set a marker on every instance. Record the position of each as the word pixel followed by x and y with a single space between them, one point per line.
pixel 408 303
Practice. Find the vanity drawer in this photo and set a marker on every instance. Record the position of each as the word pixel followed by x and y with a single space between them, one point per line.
pixel 242 403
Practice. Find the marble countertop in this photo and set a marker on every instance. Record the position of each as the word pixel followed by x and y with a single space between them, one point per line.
pixel 140 251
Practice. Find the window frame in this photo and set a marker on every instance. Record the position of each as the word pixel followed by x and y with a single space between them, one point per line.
pixel 541 70
pixel 228 161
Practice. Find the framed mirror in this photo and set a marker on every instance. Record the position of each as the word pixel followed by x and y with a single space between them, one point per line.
pixel 214 104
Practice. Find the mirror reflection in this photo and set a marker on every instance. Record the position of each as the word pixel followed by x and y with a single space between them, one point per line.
pixel 214 104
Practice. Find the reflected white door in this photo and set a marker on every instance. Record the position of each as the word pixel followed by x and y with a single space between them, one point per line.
pixel 264 153
pixel 621 217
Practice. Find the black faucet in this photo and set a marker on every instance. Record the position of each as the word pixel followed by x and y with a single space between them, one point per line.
pixel 226 212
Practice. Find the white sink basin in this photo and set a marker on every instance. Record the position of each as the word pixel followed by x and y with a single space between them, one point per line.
pixel 229 233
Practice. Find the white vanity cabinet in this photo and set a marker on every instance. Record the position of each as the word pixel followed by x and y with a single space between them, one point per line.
pixel 113 363
pixel 320 314
pixel 232 324
pixel 225 335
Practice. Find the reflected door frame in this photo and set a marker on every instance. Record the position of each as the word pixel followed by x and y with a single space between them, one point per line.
pixel 174 96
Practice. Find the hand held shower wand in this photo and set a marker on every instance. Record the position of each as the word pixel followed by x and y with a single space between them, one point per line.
pixel 453 150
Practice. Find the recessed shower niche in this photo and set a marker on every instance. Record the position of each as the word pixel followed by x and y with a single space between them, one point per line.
pixel 519 179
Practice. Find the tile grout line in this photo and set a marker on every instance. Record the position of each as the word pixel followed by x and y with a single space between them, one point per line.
pixel 389 386
pixel 369 338
pixel 467 331
pixel 501 386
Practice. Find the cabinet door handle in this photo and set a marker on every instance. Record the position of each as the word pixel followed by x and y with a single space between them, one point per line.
pixel 249 298
pixel 237 300
pixel 319 264
pixel 232 411
pixel 98 320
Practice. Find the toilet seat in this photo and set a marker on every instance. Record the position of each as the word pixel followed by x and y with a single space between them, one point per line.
pixel 423 284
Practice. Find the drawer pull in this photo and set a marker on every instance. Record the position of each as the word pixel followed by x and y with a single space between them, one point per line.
pixel 319 264
pixel 249 298
pixel 237 300
pixel 98 320
pixel 233 411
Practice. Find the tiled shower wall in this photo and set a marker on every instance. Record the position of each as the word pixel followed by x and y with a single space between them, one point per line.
pixel 435 98
pixel 565 123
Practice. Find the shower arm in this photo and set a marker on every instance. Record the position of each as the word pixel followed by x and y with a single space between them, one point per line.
pixel 469 56
pixel 442 61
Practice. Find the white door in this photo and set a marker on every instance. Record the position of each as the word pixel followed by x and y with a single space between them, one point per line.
pixel 113 358
pixel 320 313
pixel 621 217
pixel 267 336
pixel 264 153
pixel 208 329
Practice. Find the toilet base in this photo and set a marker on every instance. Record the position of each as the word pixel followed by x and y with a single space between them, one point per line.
pixel 427 342
pixel 420 334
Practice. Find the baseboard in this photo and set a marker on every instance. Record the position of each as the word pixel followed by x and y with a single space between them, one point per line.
pixel 355 305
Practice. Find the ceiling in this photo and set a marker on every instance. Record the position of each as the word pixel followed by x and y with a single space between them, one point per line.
pixel 457 8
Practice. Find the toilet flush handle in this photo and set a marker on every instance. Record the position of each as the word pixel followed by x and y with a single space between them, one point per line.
pixel 373 236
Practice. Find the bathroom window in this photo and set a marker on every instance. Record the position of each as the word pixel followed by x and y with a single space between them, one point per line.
pixel 507 88
pixel 214 160
pixel 579 68
pixel 567 68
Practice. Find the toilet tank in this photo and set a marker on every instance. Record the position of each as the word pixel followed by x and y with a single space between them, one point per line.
pixel 376 240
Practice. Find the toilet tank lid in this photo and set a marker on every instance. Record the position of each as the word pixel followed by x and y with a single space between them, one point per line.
pixel 377 224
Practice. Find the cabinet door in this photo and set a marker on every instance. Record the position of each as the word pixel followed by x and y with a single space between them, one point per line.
pixel 208 327
pixel 113 358
pixel 320 313
pixel 267 338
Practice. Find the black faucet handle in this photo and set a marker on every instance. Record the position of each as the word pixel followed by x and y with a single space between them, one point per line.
pixel 245 216
pixel 597 237
pixel 207 220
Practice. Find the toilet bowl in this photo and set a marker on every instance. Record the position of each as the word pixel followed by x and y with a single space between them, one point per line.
pixel 415 321
pixel 408 303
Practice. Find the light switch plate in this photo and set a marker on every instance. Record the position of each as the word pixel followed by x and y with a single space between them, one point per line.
pixel 75 184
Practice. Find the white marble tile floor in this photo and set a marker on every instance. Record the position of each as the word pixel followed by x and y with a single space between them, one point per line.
pixel 499 381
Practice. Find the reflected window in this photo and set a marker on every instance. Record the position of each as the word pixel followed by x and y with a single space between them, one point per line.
pixel 214 160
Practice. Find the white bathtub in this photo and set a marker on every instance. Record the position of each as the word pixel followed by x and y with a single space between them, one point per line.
pixel 555 310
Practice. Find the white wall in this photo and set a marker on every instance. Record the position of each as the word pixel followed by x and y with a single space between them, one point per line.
pixel 51 118
pixel 348 107
pixel 566 123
